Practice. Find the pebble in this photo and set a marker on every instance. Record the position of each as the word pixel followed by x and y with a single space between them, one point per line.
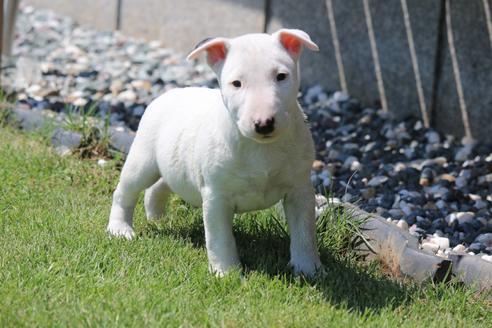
pixel 459 249
pixel 461 217
pixel 487 258
pixel 102 162
pixel 414 230
pixel 463 153
pixel 368 193
pixel 377 181
pixel 441 242
pixel 127 95
pixel 318 165
pixel 465 217
pixel 433 137
pixel 402 224
pixel 484 239
pixel 396 213
pixel 485 179
pixel 347 198
pixel 80 102
pixel 430 247
pixel 447 177
pixel 475 247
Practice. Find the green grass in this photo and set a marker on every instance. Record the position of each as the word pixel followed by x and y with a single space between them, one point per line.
pixel 59 268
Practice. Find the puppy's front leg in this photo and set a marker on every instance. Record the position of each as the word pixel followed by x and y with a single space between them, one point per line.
pixel 221 245
pixel 299 210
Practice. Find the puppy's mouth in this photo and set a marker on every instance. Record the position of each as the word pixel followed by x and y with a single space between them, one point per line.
pixel 268 138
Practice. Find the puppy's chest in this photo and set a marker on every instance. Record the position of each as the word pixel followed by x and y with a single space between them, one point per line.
pixel 255 190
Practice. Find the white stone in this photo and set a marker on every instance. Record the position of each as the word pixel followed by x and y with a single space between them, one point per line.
pixel 127 95
pixel 400 167
pixel 487 258
pixel 402 224
pixel 440 253
pixel 320 200
pixel 459 248
pixel 464 217
pixel 80 102
pixel 355 166
pixel 441 242
pixel 430 247
pixel 475 197
pixel 335 200
pixel 340 96
pixel 34 89
pixel 102 162
pixel 142 84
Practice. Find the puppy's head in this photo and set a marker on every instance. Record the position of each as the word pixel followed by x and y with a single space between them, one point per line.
pixel 259 78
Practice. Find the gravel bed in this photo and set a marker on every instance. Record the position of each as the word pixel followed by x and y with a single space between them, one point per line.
pixel 437 187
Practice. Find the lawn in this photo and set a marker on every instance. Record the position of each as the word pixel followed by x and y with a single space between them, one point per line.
pixel 58 267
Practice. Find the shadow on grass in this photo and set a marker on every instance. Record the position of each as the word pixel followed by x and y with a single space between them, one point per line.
pixel 264 247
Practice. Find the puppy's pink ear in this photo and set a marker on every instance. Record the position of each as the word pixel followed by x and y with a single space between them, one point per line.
pixel 293 40
pixel 216 49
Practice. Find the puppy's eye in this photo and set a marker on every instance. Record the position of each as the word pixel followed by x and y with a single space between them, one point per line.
pixel 236 84
pixel 281 76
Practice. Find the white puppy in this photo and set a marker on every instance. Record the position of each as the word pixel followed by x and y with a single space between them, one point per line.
pixel 241 148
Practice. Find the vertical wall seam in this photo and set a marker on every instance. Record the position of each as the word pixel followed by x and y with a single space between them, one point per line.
pixel 456 72
pixel 118 14
pixel 336 46
pixel 438 63
pixel 1 40
pixel 268 15
pixel 375 56
pixel 488 19
pixel 415 64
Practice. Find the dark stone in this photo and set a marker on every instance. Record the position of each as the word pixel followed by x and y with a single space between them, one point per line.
pixel 64 138
pixel 439 224
pixel 476 247
pixel 423 223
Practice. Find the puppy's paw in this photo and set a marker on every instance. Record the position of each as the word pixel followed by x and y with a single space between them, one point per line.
pixel 222 270
pixel 310 269
pixel 120 229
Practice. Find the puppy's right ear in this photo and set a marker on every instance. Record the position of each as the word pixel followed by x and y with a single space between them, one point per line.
pixel 216 49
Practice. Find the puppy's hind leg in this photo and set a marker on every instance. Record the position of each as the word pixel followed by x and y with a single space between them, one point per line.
pixel 139 172
pixel 155 199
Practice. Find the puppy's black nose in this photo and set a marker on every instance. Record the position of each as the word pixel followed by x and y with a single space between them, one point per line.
pixel 265 127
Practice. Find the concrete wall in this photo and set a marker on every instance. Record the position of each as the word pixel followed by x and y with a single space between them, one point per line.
pixel 181 24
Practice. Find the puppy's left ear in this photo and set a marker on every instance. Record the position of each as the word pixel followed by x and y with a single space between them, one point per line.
pixel 293 40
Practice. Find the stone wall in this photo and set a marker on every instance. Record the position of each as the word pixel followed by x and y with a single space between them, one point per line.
pixel 181 24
